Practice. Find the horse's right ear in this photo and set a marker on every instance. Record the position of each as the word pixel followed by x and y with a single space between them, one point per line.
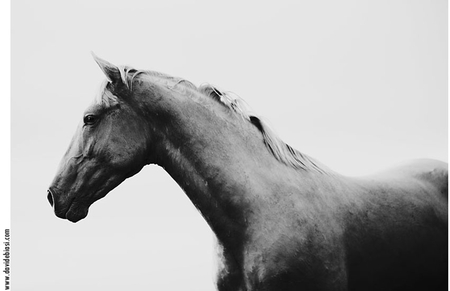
pixel 111 71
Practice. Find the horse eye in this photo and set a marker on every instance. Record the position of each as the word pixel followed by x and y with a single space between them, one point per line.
pixel 89 119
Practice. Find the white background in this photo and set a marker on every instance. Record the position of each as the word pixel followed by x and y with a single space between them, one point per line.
pixel 358 85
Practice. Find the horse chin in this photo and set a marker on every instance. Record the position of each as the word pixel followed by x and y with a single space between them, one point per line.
pixel 77 212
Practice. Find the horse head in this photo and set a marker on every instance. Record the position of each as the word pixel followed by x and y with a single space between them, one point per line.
pixel 110 144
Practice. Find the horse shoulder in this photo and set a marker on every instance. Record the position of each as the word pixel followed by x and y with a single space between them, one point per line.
pixel 295 241
pixel 290 257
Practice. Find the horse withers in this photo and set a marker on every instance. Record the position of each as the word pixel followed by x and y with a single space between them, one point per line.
pixel 283 220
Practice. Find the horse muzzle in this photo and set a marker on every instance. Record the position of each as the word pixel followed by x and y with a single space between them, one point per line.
pixel 54 198
pixel 67 209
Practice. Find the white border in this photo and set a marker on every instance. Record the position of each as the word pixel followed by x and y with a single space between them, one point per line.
pixel 5 116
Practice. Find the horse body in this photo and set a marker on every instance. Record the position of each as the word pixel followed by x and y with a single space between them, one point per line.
pixel 282 220
pixel 339 233
pixel 397 238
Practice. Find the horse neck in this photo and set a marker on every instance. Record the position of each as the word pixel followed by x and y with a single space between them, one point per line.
pixel 212 154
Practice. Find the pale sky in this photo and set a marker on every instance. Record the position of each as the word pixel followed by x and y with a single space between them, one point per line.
pixel 358 85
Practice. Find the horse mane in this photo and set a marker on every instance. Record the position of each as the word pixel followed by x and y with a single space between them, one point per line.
pixel 279 149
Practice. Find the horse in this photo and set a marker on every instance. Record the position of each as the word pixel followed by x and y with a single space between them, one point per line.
pixel 283 220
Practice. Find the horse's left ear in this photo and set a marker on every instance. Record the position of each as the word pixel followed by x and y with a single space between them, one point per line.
pixel 111 71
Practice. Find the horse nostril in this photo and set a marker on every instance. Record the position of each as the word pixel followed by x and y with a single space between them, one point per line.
pixel 50 197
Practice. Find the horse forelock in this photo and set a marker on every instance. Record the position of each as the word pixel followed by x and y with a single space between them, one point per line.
pixel 104 97
pixel 127 75
pixel 280 150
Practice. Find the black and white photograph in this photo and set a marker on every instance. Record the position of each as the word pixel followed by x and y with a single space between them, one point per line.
pixel 227 145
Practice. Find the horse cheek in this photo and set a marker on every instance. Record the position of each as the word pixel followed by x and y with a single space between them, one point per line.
pixel 122 152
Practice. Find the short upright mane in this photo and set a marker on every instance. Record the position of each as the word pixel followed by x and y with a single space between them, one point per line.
pixel 279 149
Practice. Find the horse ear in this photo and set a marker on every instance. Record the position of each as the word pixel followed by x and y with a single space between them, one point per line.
pixel 111 71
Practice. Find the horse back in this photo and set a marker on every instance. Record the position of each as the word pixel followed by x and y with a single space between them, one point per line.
pixel 433 172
